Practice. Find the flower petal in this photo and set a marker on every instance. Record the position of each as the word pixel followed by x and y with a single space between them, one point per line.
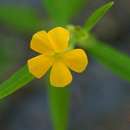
pixel 60 75
pixel 76 60
pixel 41 43
pixel 39 65
pixel 60 38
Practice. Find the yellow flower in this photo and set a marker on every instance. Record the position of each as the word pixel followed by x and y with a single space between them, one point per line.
pixel 54 52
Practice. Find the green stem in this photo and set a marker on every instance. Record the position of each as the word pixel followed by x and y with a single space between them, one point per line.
pixel 59 106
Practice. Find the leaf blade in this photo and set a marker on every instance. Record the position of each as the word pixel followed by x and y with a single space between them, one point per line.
pixel 118 62
pixel 97 15
pixel 15 82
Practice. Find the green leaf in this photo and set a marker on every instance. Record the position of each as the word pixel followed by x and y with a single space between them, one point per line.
pixel 110 57
pixel 97 15
pixel 59 106
pixel 22 18
pixel 63 10
pixel 15 82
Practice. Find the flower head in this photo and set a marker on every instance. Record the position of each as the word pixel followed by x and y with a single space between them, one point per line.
pixel 54 53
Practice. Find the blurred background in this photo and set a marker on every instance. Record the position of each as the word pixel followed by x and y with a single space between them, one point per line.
pixel 100 99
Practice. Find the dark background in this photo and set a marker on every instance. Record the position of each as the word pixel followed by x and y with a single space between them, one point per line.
pixel 100 99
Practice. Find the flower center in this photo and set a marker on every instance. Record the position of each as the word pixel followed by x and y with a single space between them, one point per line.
pixel 58 56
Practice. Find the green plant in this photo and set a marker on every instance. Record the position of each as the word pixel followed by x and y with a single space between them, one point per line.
pixel 61 14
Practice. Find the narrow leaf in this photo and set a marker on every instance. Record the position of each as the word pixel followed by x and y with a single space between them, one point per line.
pixel 97 15
pixel 15 82
pixel 110 57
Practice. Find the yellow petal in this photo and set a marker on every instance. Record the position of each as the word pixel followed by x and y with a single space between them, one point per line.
pixel 76 60
pixel 60 75
pixel 60 37
pixel 39 65
pixel 41 43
